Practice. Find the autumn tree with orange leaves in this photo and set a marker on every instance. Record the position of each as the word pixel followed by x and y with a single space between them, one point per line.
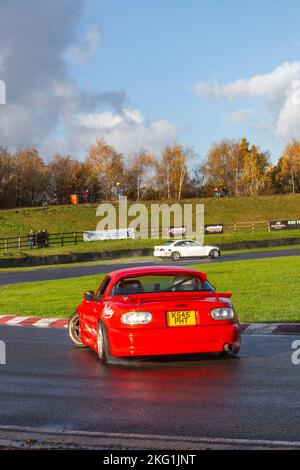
pixel 172 171
pixel 106 165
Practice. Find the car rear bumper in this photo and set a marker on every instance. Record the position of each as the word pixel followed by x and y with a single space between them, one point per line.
pixel 176 340
pixel 162 254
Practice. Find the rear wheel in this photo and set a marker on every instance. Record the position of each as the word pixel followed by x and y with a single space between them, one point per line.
pixel 228 354
pixel 214 254
pixel 175 256
pixel 74 330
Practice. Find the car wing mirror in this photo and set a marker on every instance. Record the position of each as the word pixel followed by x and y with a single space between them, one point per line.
pixel 89 295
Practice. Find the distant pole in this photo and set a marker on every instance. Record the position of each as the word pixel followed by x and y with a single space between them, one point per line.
pixel 117 191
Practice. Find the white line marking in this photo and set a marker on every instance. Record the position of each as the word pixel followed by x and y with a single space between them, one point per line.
pixel 16 320
pixel 44 322
pixel 152 437
pixel 261 328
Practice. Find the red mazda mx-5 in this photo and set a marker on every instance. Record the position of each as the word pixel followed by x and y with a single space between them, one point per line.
pixel 150 311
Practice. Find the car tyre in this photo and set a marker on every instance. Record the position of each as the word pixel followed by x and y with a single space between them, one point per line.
pixel 175 256
pixel 228 354
pixel 74 330
pixel 103 344
pixel 214 254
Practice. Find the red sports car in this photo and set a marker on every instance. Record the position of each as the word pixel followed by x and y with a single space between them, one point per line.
pixel 150 311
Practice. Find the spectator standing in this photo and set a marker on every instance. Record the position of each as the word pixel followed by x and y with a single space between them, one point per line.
pixel 45 238
pixel 225 191
pixel 86 195
pixel 39 239
pixel 217 193
pixel 31 239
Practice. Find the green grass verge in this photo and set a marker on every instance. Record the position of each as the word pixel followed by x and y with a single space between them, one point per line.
pixel 83 247
pixel 264 291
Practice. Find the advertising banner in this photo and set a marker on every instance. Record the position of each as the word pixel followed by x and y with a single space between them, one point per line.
pixel 214 228
pixel 284 225
pixel 117 234
pixel 177 231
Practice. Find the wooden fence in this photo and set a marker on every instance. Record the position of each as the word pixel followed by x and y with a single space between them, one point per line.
pixel 54 239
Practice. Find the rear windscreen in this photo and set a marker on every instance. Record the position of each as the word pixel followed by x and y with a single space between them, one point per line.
pixel 161 283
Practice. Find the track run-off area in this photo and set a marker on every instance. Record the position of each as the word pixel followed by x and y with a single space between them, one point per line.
pixel 53 395
pixel 55 273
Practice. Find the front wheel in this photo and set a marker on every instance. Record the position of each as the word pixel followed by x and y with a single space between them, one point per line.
pixel 74 330
pixel 214 254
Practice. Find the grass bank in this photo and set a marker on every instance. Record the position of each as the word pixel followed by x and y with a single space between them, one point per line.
pixel 62 219
pixel 58 219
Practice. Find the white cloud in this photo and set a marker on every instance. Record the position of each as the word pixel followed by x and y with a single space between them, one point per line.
pixel 127 131
pixel 108 120
pixel 99 121
pixel 240 116
pixel 131 136
pixel 277 92
pixel 84 52
pixel 288 121
pixel 45 107
pixel 17 118
pixel 275 82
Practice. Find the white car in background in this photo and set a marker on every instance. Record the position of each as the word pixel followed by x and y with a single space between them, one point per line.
pixel 176 249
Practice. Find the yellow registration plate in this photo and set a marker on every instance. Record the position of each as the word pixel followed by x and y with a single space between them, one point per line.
pixel 182 318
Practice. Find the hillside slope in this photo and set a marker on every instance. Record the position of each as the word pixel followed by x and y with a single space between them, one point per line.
pixel 70 218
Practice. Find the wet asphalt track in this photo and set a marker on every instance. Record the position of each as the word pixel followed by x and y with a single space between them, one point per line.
pixel 48 383
pixel 47 274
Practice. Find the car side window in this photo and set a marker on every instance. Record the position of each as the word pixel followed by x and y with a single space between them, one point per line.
pixel 103 287
pixel 206 286
pixel 180 244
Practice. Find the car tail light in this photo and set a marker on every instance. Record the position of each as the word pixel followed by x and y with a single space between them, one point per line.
pixel 222 313
pixel 136 318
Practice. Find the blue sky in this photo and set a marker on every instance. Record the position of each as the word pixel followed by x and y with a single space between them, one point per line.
pixel 149 72
pixel 158 50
